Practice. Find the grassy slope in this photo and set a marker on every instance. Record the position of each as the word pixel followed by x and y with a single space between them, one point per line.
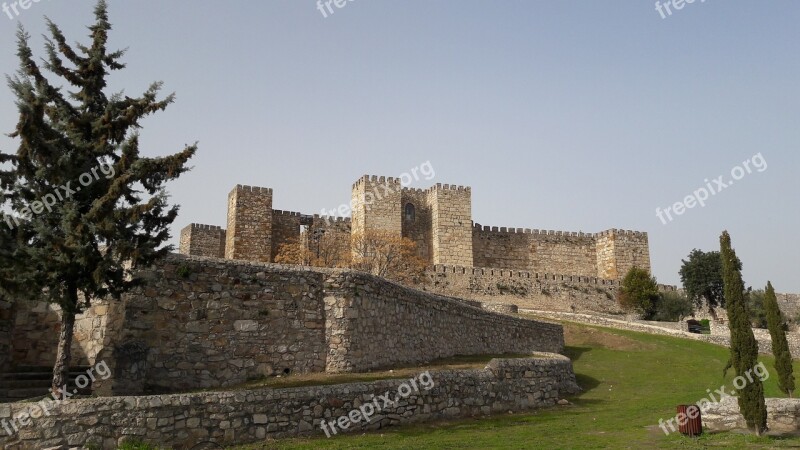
pixel 630 380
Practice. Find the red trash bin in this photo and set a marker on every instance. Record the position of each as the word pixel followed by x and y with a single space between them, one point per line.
pixel 692 425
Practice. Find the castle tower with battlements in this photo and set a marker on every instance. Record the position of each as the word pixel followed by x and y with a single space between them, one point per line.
pixel 437 219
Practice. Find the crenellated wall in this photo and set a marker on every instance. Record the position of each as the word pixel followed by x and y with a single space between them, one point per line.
pixel 530 290
pixel 329 239
pixel 608 255
pixel 285 229
pixel 437 219
pixel 203 240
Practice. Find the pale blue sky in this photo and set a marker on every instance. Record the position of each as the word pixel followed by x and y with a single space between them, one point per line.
pixel 578 116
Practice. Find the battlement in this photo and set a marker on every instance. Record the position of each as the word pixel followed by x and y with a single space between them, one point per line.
pixel 507 273
pixel 509 230
pixel 203 240
pixel 332 219
pixel 366 179
pixel 203 227
pixel 438 219
pixel 253 189
pixel 614 231
pixel 448 187
pixel 278 212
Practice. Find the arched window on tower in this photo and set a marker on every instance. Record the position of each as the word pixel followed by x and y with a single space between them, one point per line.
pixel 410 213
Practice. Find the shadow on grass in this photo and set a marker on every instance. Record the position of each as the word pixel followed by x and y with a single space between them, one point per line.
pixel 574 353
pixel 586 382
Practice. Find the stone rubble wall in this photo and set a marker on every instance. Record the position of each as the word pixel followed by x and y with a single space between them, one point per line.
pixel 34 336
pixel 247 416
pixel 783 415
pixel 373 323
pixel 204 323
pixel 201 323
pixel 529 290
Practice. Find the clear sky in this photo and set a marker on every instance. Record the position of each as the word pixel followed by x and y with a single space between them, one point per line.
pixel 576 116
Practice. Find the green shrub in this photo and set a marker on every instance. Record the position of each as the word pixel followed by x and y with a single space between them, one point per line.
pixel 671 307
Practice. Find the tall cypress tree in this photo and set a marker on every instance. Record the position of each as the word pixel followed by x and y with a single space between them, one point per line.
pixel 87 208
pixel 744 347
pixel 780 347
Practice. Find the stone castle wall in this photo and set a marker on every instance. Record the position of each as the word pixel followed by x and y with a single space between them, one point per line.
pixel 201 323
pixel 203 240
pixel 568 293
pixel 240 417
pixel 211 323
pixel 329 238
pixel 535 250
pixel 285 230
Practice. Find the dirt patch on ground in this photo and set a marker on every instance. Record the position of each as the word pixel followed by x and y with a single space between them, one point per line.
pixel 579 336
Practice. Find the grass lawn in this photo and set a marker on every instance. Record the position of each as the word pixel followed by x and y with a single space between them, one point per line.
pixel 630 380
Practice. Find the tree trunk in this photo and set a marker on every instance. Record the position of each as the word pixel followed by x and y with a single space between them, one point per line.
pixel 61 367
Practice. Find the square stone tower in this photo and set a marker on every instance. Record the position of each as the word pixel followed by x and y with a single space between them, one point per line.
pixel 376 206
pixel 249 235
pixel 451 224
pixel 203 240
pixel 619 250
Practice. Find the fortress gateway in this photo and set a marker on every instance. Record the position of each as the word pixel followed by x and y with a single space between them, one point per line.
pixel 438 219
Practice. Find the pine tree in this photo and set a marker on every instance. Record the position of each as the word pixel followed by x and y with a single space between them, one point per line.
pixel 87 208
pixel 744 347
pixel 780 347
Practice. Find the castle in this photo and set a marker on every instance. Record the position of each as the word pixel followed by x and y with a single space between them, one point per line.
pixel 437 219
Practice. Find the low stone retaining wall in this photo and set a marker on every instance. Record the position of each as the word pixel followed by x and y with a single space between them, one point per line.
pixel 719 338
pixel 372 323
pixel 501 308
pixel 232 418
pixel 783 415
